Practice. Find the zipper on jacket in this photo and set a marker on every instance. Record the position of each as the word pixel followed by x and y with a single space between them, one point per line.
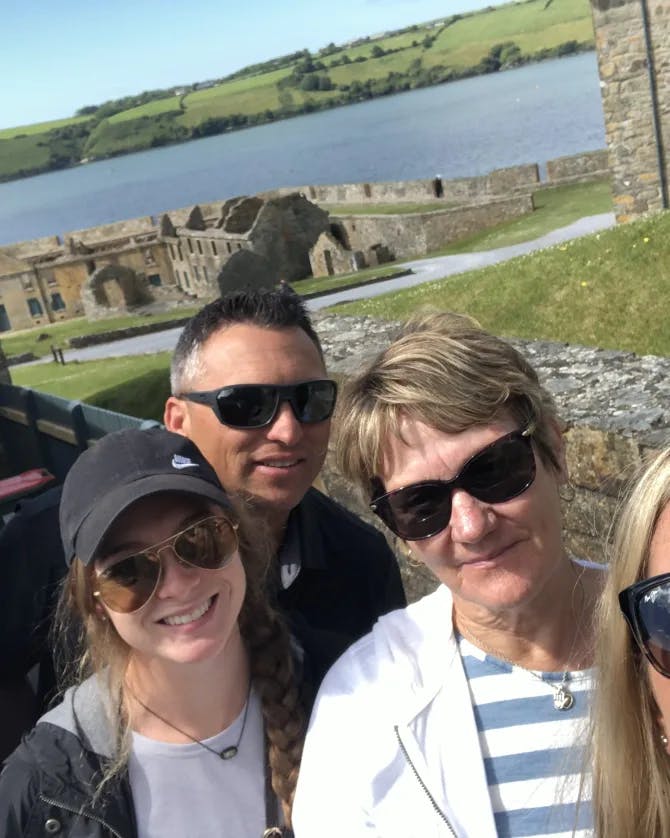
pixel 81 813
pixel 425 788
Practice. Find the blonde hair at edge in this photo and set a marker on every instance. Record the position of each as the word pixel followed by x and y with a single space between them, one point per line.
pixel 103 653
pixel 443 370
pixel 631 769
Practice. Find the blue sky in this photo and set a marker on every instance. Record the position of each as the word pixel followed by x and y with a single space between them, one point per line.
pixel 58 55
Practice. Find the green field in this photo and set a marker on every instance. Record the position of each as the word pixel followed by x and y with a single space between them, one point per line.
pixel 41 127
pixel 136 385
pixel 30 340
pixel 459 45
pixel 607 290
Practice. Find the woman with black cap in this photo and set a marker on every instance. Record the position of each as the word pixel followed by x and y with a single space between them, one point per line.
pixel 185 718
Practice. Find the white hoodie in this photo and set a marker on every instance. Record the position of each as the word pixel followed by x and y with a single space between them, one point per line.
pixel 392 748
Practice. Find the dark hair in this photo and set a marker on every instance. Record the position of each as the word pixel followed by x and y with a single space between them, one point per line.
pixel 267 308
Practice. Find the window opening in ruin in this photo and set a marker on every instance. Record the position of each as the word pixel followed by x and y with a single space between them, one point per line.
pixel 239 246
pixel 90 267
pixel 181 255
pixel 57 302
pixel 154 279
pixel 190 245
pixel 187 281
pixel 5 325
pixel 172 251
pixel 196 271
pixel 214 249
pixel 229 246
pixel 176 273
pixel 205 274
pixel 35 307
pixel 199 243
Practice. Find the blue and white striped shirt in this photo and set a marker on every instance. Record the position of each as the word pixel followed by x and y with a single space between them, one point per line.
pixel 533 753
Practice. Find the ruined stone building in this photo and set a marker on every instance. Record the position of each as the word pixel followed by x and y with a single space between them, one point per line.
pixel 190 253
pixel 633 43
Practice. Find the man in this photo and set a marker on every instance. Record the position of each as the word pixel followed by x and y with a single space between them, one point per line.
pixel 268 443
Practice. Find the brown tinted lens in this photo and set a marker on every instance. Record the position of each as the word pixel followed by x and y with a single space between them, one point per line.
pixel 129 583
pixel 208 544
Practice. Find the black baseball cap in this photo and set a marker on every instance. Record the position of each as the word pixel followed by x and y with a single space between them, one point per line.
pixel 121 468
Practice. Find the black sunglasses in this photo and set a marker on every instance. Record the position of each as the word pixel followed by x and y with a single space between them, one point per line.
pixel 256 405
pixel 497 473
pixel 646 607
pixel 127 584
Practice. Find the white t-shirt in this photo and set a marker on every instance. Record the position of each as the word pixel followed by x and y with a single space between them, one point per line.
pixel 184 791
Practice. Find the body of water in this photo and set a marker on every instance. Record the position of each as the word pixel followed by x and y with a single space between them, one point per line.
pixel 531 114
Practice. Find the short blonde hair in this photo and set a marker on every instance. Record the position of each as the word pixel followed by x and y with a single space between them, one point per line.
pixel 443 370
pixel 631 770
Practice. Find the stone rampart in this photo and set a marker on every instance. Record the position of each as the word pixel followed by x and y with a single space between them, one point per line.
pixel 633 45
pixel 116 230
pixel 615 405
pixel 589 165
pixel 416 234
pixel 578 167
pixel 32 247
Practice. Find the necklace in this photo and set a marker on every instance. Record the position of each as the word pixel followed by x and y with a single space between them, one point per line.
pixel 228 752
pixel 563 698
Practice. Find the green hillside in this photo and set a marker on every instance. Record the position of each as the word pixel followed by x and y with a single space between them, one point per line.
pixel 451 48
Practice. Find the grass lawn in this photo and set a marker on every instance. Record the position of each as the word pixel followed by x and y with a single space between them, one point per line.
pixel 136 385
pixel 607 290
pixel 334 283
pixel 59 333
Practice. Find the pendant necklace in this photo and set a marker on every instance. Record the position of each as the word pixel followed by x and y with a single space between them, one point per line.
pixel 228 752
pixel 563 697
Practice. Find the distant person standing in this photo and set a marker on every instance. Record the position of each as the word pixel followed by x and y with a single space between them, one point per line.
pixel 249 387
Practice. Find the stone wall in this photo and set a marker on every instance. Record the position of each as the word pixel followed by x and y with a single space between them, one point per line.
pixel 615 405
pixel 633 44
pixel 416 234
pixel 576 168
pixel 589 165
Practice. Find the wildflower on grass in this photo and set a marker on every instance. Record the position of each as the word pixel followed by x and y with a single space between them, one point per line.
pixel 646 239
pixel 583 283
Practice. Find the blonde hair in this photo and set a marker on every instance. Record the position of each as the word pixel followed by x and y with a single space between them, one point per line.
pixel 101 652
pixel 631 770
pixel 443 370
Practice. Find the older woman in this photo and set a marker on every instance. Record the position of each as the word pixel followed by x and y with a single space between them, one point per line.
pixel 631 780
pixel 458 715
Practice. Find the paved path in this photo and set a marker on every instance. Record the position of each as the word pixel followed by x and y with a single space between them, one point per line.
pixel 424 271
pixel 443 266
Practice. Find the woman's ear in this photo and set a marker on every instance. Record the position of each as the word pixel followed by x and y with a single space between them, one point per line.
pixel 662 735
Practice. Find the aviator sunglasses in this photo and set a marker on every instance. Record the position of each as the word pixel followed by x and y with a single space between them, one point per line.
pixel 497 473
pixel 125 585
pixel 646 607
pixel 255 405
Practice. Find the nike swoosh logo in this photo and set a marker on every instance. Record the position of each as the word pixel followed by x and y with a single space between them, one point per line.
pixel 178 464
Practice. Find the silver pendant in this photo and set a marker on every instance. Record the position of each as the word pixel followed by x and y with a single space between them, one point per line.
pixel 231 750
pixel 563 698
